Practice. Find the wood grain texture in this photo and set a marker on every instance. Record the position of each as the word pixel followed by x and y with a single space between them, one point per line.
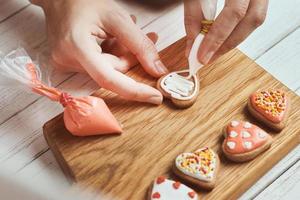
pixel 125 165
pixel 23 148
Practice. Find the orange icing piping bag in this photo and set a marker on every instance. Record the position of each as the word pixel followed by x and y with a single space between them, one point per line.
pixel 83 116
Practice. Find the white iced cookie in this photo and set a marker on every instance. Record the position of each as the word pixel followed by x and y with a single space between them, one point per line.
pixel 166 189
pixel 199 167
pixel 183 92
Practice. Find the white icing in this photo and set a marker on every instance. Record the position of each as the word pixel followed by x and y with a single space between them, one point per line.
pixel 197 174
pixel 231 144
pixel 178 86
pixel 246 134
pixel 234 123
pixel 248 145
pixel 261 134
pixel 168 192
pixel 247 125
pixel 233 134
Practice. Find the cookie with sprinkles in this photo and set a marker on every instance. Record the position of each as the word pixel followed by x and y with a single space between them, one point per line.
pixel 270 107
pixel 244 141
pixel 199 168
pixel 166 189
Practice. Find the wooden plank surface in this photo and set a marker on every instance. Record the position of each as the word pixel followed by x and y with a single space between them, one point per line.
pixel 272 176
pixel 101 162
pixel 285 187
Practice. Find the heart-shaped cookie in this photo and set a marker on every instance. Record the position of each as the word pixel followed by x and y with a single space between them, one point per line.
pixel 183 92
pixel 166 189
pixel 199 168
pixel 244 141
pixel 271 107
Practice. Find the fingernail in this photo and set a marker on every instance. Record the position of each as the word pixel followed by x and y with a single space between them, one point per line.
pixel 155 99
pixel 206 58
pixel 160 67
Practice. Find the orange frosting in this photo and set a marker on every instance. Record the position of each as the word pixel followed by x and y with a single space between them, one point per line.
pixel 89 116
pixel 242 137
pixel 272 104
pixel 83 116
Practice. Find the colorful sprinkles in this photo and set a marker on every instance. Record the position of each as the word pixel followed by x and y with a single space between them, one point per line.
pixel 271 101
pixel 201 163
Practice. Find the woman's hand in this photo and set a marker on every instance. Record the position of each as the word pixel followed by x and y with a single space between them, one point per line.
pixel 233 25
pixel 74 29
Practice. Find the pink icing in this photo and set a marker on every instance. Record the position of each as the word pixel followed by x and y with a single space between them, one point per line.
pixel 83 116
pixel 254 138
pixel 273 118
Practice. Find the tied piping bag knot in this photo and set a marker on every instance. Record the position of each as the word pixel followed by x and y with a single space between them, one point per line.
pixel 65 98
pixel 83 116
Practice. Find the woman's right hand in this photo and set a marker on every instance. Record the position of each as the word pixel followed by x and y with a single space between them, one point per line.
pixel 74 26
pixel 237 20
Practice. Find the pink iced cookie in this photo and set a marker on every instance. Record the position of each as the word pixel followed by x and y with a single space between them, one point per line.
pixel 271 107
pixel 244 141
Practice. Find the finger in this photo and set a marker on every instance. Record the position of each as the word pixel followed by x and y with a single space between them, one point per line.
pixel 192 22
pixel 113 46
pixel 101 70
pixel 255 16
pixel 138 43
pixel 121 58
pixel 232 13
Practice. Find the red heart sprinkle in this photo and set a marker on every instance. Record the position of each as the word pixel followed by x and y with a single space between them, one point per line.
pixel 176 185
pixel 192 194
pixel 160 179
pixel 156 195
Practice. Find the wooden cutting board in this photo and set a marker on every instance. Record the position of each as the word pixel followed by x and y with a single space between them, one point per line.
pixel 125 166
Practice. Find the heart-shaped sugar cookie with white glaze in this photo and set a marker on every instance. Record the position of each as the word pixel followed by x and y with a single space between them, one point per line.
pixel 165 189
pixel 244 141
pixel 181 91
pixel 270 107
pixel 199 168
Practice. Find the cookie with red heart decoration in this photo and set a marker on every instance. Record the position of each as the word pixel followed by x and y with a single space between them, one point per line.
pixel 270 107
pixel 199 168
pixel 244 141
pixel 166 189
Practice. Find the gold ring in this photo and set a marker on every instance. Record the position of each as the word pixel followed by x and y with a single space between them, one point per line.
pixel 205 26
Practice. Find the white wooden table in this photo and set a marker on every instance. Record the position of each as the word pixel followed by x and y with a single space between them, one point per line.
pixel 23 149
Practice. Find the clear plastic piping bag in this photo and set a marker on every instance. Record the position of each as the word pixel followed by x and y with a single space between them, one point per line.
pixel 83 116
pixel 209 8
